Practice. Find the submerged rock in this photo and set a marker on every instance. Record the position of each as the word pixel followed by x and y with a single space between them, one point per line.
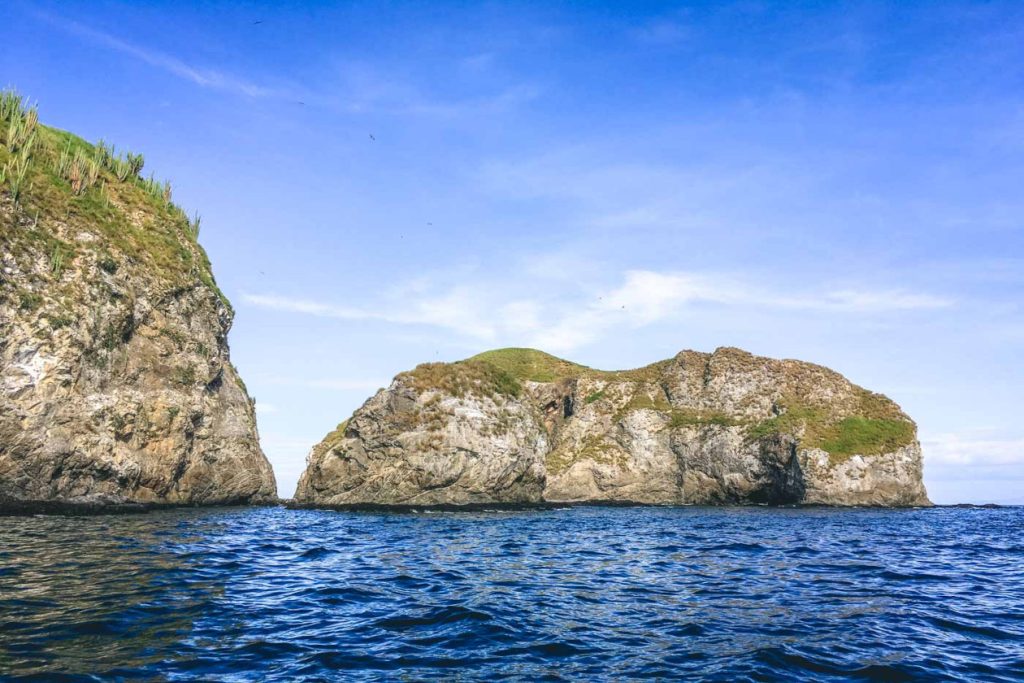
pixel 116 385
pixel 521 426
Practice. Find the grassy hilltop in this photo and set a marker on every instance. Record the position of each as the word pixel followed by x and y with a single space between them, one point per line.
pixel 52 177
pixel 867 424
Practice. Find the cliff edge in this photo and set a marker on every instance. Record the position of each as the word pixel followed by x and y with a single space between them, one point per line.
pixel 115 380
pixel 522 426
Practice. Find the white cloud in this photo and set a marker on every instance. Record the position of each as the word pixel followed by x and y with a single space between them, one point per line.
pixel 333 383
pixel 521 316
pixel 571 317
pixel 977 451
pixel 281 303
pixel 294 445
pixel 482 61
pixel 891 300
pixel 207 78
pixel 363 89
pixel 346 384
pixel 458 309
pixel 662 32
pixel 366 88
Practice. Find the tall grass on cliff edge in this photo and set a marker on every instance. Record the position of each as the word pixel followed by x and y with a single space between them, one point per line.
pixel 123 167
pixel 13 173
pixel 80 165
pixel 51 173
pixel 20 119
pixel 19 122
pixel 194 224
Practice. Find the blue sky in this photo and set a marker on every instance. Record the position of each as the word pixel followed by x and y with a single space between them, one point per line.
pixel 384 184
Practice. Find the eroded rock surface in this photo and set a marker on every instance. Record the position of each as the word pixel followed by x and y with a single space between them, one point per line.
pixel 115 379
pixel 518 425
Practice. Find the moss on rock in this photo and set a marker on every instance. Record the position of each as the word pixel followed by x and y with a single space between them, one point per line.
pixel 865 423
pixel 464 378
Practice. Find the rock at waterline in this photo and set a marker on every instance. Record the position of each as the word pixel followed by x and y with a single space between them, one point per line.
pixel 116 386
pixel 522 426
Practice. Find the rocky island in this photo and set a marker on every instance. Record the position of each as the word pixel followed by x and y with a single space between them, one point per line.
pixel 116 385
pixel 519 426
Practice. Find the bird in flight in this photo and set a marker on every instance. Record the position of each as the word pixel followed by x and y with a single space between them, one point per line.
pixel 258 21
pixel 373 138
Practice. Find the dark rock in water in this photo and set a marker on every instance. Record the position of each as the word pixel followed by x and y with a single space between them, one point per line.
pixel 976 506
pixel 116 387
pixel 521 426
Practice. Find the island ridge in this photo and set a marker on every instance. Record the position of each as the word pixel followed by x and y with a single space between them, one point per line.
pixel 116 385
pixel 521 426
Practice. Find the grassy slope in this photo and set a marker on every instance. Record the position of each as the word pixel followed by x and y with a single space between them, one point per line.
pixel 536 366
pixel 532 365
pixel 138 226
pixel 877 427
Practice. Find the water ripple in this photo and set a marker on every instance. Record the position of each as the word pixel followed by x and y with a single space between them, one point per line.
pixel 576 594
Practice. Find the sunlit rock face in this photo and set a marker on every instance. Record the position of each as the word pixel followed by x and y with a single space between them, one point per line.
pixel 521 426
pixel 115 380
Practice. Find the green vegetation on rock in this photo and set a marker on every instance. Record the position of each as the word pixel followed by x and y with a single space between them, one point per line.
pixel 694 418
pixel 468 377
pixel 334 436
pixel 55 177
pixel 503 371
pixel 105 289
pixel 701 428
pixel 531 365
pixel 866 436
pixel 872 424
pixel 878 426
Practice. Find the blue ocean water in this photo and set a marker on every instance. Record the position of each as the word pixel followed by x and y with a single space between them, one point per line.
pixel 585 593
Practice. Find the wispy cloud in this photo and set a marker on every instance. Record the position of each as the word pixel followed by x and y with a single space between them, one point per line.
pixel 367 88
pixel 646 297
pixel 608 185
pixel 205 77
pixel 331 383
pixel 284 442
pixel 281 303
pixel 493 313
pixel 346 384
pixel 959 450
pixel 458 309
pixel 664 31
pixel 362 88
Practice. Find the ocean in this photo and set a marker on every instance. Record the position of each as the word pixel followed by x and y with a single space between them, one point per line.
pixel 574 594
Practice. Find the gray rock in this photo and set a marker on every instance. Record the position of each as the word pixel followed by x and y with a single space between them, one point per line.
pixel 116 385
pixel 517 425
pixel 426 447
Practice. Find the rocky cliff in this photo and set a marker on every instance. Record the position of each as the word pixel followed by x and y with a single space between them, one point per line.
pixel 521 426
pixel 115 380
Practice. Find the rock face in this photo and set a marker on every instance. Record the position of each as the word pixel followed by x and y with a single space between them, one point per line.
pixel 520 426
pixel 115 380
